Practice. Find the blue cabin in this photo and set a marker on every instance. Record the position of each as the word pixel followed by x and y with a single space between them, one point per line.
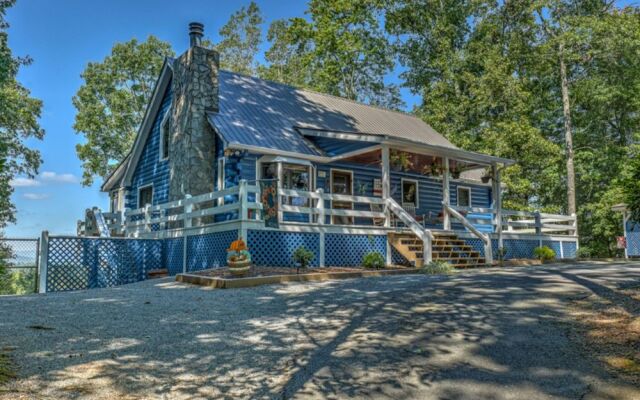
pixel 344 178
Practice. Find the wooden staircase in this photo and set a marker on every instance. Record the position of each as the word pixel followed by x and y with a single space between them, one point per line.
pixel 445 247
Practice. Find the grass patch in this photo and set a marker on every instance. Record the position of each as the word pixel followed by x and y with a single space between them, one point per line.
pixel 7 369
pixel 437 268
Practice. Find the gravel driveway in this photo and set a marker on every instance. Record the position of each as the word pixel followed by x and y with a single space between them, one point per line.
pixel 485 334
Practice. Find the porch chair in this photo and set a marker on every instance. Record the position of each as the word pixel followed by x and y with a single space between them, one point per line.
pixel 377 208
pixel 411 209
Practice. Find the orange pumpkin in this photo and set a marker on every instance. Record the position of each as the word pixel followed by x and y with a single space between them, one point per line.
pixel 238 245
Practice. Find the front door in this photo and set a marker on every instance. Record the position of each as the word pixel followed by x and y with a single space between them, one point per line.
pixel 342 183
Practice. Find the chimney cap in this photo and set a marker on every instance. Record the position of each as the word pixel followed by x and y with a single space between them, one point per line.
pixel 196 32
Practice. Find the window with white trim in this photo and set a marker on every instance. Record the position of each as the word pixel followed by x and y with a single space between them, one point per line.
pixel 145 196
pixel 410 192
pixel 464 197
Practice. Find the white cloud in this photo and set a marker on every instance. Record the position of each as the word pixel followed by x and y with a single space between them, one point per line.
pixel 24 182
pixel 44 178
pixel 36 196
pixel 48 176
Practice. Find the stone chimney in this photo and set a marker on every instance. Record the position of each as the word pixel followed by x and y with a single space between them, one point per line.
pixel 195 92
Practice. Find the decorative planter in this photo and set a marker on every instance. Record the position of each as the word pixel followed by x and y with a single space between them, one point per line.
pixel 238 258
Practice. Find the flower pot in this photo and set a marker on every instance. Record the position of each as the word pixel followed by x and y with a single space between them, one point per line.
pixel 485 179
pixel 239 271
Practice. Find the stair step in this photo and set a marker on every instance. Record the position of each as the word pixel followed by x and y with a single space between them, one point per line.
pixel 158 273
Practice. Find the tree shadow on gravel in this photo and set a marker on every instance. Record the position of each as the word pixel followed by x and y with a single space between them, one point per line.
pixel 470 336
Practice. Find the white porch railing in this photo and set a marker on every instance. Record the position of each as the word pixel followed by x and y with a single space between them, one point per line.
pixel 486 239
pixel 195 210
pixel 524 222
pixel 319 208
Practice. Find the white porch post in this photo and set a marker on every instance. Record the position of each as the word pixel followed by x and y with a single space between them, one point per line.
pixel 446 198
pixel 386 193
pixel 497 202
pixel 279 186
pixel 320 222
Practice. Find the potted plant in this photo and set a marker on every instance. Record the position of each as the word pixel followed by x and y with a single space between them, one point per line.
pixel 544 254
pixel 455 172
pixel 435 169
pixel 374 260
pixel 238 258
pixel 302 257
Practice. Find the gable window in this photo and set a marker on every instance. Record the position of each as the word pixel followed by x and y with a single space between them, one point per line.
pixel 464 197
pixel 164 136
pixel 145 196
pixel 410 192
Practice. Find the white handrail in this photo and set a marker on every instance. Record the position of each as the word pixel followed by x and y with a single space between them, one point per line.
pixel 422 233
pixel 488 251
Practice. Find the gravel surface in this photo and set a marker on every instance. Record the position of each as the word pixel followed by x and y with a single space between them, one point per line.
pixel 483 334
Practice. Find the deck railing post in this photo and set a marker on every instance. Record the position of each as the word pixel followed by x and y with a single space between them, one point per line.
pixel 538 222
pixel 43 259
pixel 188 209
pixel 446 198
pixel 574 223
pixel 147 218
pixel 488 250
pixel 243 212
pixel 427 245
pixel 244 200
pixel 320 222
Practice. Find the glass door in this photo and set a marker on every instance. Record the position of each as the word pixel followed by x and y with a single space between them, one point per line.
pixel 342 183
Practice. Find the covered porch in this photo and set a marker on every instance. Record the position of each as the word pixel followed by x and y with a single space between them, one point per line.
pixel 382 189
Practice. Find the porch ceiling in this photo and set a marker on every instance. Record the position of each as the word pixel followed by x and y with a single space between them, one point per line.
pixel 412 162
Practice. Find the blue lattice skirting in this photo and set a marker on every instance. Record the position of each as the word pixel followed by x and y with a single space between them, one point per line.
pixel 523 248
pixel 275 248
pixel 87 263
pixel 344 250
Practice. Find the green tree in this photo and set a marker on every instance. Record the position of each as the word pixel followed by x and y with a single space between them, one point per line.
pixel 241 38
pixel 19 115
pixel 290 53
pixel 470 63
pixel 112 100
pixel 342 49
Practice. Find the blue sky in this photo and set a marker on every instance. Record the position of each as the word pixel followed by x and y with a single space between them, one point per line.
pixel 62 37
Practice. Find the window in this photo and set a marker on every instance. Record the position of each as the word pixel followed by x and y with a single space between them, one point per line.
pixel 269 171
pixel 410 192
pixel 464 197
pixel 145 196
pixel 164 136
pixel 296 177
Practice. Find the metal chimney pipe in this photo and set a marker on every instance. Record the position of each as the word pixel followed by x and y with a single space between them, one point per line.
pixel 196 31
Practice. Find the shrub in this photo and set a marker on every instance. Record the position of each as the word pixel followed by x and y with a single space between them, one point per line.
pixel 544 253
pixel 437 267
pixel 302 257
pixel 584 252
pixel 373 259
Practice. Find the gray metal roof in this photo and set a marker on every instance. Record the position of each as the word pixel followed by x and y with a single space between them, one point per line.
pixel 262 113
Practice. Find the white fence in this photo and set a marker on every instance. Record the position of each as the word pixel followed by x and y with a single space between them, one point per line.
pixel 195 211
pixel 318 208
pixel 524 222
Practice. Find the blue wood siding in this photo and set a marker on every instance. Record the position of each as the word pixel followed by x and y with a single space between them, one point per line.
pixel 150 169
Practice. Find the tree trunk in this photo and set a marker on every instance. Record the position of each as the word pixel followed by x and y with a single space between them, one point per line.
pixel 568 136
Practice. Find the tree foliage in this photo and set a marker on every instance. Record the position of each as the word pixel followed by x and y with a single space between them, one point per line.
pixel 112 100
pixel 341 49
pixel 19 113
pixel 241 38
